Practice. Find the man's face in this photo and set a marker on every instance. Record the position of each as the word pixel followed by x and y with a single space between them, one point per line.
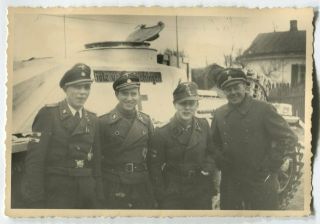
pixel 128 98
pixel 186 109
pixel 77 94
pixel 235 93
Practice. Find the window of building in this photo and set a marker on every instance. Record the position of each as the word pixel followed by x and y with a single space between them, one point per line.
pixel 298 74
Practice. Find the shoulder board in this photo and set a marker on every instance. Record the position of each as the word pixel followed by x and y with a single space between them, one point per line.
pixel 143 114
pixel 52 105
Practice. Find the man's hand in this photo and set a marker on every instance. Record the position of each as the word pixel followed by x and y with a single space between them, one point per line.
pixel 216 202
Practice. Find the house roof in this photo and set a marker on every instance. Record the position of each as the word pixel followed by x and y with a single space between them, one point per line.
pixel 277 43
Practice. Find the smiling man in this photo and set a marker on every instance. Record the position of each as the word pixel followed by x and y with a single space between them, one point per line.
pixel 250 140
pixel 62 167
pixel 181 157
pixel 125 135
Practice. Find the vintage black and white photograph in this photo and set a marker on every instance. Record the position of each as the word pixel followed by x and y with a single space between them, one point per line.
pixel 159 110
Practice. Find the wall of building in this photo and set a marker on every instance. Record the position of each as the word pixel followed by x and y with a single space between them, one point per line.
pixel 279 69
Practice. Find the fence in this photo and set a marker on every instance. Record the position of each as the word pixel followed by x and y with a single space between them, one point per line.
pixel 294 95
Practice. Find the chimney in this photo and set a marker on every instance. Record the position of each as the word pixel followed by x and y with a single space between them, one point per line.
pixel 293 25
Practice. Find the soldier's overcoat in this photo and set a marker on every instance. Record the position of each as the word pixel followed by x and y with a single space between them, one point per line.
pixel 250 142
pixel 177 159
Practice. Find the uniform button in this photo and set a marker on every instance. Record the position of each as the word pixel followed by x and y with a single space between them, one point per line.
pixel 129 205
pixel 144 132
pixel 116 132
pixel 78 147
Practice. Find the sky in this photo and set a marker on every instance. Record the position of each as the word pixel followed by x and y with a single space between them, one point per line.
pixel 204 39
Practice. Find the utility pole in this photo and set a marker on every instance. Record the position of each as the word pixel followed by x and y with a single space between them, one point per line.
pixel 177 42
pixel 64 33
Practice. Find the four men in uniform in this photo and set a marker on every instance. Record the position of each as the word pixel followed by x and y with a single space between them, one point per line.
pixel 118 161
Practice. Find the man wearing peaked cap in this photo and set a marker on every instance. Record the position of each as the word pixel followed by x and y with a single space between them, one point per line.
pixel 126 81
pixel 250 140
pixel 125 136
pixel 63 167
pixel 79 73
pixel 181 158
pixel 231 76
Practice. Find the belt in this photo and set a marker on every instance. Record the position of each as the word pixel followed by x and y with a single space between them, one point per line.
pixel 127 167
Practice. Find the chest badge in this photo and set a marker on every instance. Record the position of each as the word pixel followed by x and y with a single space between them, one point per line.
pixel 79 163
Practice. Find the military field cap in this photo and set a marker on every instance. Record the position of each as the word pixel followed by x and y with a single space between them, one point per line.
pixel 185 91
pixel 231 76
pixel 79 73
pixel 126 81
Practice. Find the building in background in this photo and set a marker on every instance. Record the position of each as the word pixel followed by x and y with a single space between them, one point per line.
pixel 279 55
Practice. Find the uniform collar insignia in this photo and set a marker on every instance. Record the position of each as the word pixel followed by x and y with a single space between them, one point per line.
pixel 141 118
pixel 177 127
pixel 197 126
pixel 113 116
pixel 64 110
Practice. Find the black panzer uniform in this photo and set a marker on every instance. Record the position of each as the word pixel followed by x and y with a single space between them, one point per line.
pixel 125 140
pixel 62 168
